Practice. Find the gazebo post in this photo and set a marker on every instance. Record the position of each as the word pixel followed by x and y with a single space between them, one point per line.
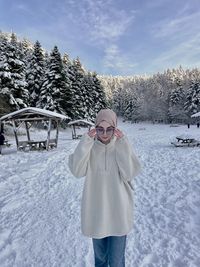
pixel 48 135
pixel 27 131
pixel 57 130
pixel 15 133
pixel 74 132
pixel 72 127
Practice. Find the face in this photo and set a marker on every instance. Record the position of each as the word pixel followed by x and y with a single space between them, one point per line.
pixel 104 132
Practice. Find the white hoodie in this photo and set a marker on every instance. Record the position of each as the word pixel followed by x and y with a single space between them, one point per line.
pixel 107 200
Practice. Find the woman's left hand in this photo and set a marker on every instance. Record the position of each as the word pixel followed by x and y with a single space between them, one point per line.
pixel 118 133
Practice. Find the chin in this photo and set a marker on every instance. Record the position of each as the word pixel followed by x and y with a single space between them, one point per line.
pixel 105 141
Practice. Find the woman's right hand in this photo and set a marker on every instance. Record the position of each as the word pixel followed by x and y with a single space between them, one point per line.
pixel 92 133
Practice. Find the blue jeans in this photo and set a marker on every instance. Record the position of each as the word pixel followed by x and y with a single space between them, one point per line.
pixel 109 251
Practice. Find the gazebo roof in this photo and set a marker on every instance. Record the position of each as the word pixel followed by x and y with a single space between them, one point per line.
pixel 30 112
pixel 196 115
pixel 81 122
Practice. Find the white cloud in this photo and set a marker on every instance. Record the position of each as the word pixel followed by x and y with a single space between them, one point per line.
pixel 104 24
pixel 100 20
pixel 114 60
pixel 184 25
pixel 180 39
pixel 110 28
pixel 186 53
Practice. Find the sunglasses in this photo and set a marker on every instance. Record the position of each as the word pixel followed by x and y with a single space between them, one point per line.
pixel 101 130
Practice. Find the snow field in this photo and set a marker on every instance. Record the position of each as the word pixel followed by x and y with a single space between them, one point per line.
pixel 40 204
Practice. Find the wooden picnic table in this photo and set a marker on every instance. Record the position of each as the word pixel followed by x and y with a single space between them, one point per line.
pixel 31 145
pixel 36 145
pixel 185 139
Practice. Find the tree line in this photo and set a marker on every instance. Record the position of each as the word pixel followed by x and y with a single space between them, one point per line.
pixel 29 76
pixel 170 97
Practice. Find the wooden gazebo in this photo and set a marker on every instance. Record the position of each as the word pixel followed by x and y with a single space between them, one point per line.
pixel 31 115
pixel 78 123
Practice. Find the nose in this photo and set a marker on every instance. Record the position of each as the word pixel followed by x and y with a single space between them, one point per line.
pixel 104 133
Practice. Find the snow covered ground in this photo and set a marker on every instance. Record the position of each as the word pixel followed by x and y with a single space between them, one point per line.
pixel 40 204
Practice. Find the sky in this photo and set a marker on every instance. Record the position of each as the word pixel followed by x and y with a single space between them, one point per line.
pixel 112 37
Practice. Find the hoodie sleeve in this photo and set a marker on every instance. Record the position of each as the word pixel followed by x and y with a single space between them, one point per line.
pixel 78 161
pixel 127 161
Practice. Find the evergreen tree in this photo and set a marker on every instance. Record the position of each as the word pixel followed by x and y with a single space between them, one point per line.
pixel 35 74
pixel 12 74
pixel 132 110
pixel 192 104
pixel 78 89
pixel 4 95
pixel 54 85
pixel 117 103
pixel 3 44
pixel 128 110
pixel 125 102
pixel 87 93
pixel 26 46
pixel 99 94
pixel 176 102
pixel 67 101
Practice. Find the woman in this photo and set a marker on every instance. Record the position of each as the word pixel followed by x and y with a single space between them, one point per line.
pixel 106 158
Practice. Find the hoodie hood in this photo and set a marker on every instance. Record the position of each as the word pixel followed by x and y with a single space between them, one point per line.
pixel 107 115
